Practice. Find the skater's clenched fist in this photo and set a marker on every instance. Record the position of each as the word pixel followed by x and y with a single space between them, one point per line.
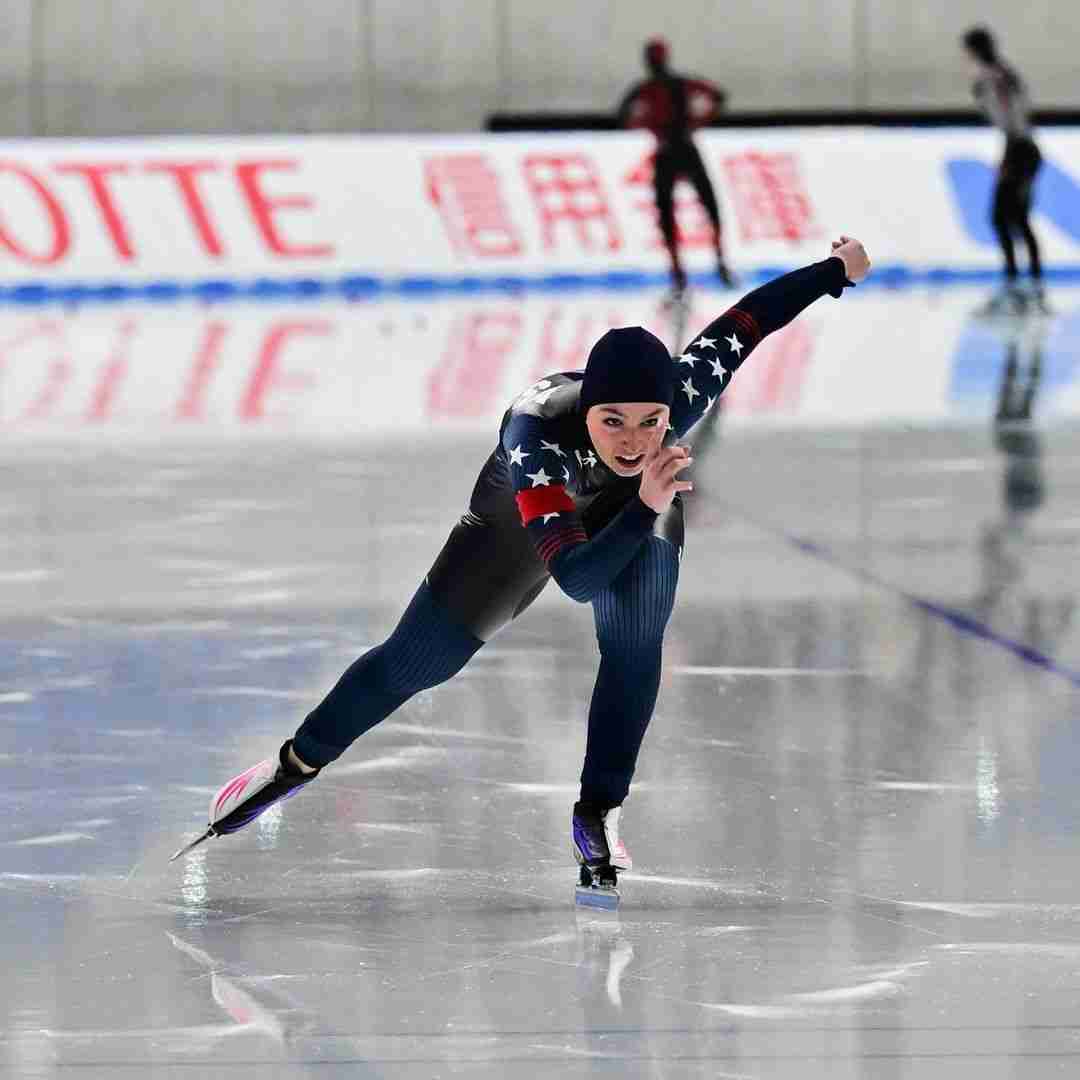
pixel 853 255
pixel 660 481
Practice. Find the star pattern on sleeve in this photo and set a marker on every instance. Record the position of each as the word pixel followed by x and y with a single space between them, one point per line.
pixel 718 369
pixel 540 478
pixel 736 345
pixel 704 343
pixel 686 358
pixel 517 456
pixel 588 459
pixel 553 447
pixel 690 391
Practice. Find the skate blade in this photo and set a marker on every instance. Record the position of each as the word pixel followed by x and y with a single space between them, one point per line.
pixel 194 844
pixel 607 899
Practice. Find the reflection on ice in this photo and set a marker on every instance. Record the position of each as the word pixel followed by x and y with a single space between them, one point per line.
pixel 293 369
pixel 988 792
pixel 193 887
pixel 268 828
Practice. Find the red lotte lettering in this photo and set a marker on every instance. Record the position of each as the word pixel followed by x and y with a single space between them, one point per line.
pixel 265 207
pixel 48 209
pixel 186 176
pixel 96 177
pixel 50 214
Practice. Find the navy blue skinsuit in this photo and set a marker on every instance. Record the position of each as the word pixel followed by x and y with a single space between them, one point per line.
pixel 545 506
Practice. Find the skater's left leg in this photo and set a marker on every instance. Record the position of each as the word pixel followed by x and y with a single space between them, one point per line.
pixel 427 647
pixel 698 176
pixel 630 617
pixel 1004 215
pixel 485 576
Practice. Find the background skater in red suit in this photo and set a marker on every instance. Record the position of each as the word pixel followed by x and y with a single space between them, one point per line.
pixel 672 106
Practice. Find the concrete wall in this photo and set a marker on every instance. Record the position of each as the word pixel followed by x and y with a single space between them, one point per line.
pixel 72 67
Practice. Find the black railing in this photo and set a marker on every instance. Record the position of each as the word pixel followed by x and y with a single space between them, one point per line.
pixel 598 121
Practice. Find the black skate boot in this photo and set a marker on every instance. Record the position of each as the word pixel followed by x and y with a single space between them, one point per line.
pixel 246 796
pixel 600 853
pixel 723 272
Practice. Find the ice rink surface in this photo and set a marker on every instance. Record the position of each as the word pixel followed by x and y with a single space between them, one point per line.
pixel 856 820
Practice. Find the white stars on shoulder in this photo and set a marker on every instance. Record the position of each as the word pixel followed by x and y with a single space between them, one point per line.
pixel 541 398
pixel 686 358
pixel 736 345
pixel 566 474
pixel 538 393
pixel 704 343
pixel 690 391
pixel 553 447
pixel 540 478
pixel 589 459
pixel 517 456
pixel 718 369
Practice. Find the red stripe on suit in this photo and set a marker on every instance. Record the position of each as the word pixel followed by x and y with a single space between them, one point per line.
pixel 538 501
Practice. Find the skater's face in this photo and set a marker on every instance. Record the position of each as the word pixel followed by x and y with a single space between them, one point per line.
pixel 625 434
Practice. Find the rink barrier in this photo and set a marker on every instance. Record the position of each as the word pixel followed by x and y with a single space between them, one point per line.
pixel 222 218
pixel 359 287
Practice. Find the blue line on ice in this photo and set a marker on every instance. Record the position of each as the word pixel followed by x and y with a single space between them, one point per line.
pixel 954 617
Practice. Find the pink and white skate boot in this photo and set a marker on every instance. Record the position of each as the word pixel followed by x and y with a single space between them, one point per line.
pixel 620 857
pixel 246 796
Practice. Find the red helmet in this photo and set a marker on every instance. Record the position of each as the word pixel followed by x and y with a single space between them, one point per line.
pixel 656 52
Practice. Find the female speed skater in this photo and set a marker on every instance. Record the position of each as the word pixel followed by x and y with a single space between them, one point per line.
pixel 1002 95
pixel 585 486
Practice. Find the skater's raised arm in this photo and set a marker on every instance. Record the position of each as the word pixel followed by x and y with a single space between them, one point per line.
pixel 726 342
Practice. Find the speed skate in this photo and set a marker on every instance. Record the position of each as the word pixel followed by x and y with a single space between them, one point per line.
pixel 254 791
pixel 600 853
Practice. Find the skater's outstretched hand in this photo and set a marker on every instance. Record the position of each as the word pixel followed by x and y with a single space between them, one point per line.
pixel 853 255
pixel 660 478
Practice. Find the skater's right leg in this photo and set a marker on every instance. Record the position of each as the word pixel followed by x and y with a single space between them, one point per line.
pixel 1026 189
pixel 664 176
pixel 631 616
pixel 427 647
